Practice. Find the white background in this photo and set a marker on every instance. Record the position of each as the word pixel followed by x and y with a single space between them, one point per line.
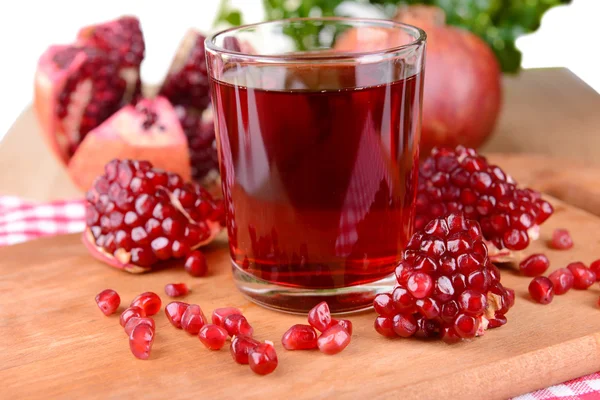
pixel 569 37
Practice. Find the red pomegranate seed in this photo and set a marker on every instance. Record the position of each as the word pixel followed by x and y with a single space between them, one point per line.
pixel 404 325
pixel 385 327
pixel 541 290
pixel 108 301
pixel 141 340
pixel 595 267
pixel 562 280
pixel 300 337
pixel 345 323
pixel 320 317
pixel 174 311
pixel 176 289
pixel 240 348
pixel 219 314
pixel 583 277
pixel 384 305
pixel 135 321
pixel 263 359
pixel 466 326
pixel 149 302
pixel 212 336
pixel 193 319
pixel 237 324
pixel 333 340
pixel 195 264
pixel 534 265
pixel 472 302
pixel 131 312
pixel 561 239
pixel 419 285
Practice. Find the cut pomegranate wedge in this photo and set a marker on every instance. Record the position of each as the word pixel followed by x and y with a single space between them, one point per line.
pixel 138 216
pixel 149 130
pixel 462 180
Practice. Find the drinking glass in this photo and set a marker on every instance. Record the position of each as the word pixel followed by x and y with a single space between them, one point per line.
pixel 317 125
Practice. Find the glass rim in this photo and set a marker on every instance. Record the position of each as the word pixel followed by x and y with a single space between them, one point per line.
pixel 210 45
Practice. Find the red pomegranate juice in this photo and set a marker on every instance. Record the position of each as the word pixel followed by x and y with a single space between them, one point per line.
pixel 319 174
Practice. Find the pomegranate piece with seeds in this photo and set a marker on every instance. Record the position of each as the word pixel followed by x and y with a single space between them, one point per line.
pixel 131 312
pixel 562 280
pixel 595 268
pixel 447 285
pixel 462 180
pixel 319 317
pixel 212 336
pixel 174 311
pixel 236 324
pixel 138 216
pixel 135 321
pixel 193 319
pixel 141 340
pixel 561 240
pixel 333 340
pixel 176 289
pixel 108 301
pixel 534 265
pixel 149 130
pixel 263 359
pixel 147 301
pixel 219 314
pixel 541 290
pixel 300 337
pixel 79 86
pixel 195 264
pixel 240 348
pixel 583 277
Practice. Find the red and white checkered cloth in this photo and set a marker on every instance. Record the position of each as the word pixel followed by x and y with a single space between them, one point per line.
pixel 22 220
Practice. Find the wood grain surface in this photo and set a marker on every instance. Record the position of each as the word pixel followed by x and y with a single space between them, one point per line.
pixel 57 344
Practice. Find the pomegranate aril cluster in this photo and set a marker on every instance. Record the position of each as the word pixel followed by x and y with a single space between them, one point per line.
pixel 335 334
pixel 138 216
pixel 461 180
pixel 446 285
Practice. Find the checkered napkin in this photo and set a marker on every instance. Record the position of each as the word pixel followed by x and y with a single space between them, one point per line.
pixel 22 220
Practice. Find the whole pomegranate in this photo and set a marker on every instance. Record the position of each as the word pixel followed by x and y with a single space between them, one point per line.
pixel 462 95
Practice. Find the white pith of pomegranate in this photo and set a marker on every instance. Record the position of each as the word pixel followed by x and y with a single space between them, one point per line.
pixel 79 86
pixel 138 217
pixel 150 130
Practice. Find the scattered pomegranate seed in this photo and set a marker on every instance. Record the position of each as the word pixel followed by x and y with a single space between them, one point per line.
pixel 212 336
pixel 447 285
pixel 595 267
pixel 561 239
pixel 176 289
pixel 219 314
pixel 108 301
pixel 195 264
pixel 345 323
pixel 135 321
pixel 237 324
pixel 583 277
pixel 141 340
pixel 193 319
pixel 320 317
pixel 149 302
pixel 385 327
pixel 541 290
pixel 300 337
pixel 174 311
pixel 562 279
pixel 240 348
pixel 131 312
pixel 263 359
pixel 333 340
pixel 534 265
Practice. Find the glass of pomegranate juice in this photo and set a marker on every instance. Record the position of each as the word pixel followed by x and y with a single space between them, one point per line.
pixel 318 123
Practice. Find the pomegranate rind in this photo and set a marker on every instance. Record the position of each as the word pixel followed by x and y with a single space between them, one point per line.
pixel 122 137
